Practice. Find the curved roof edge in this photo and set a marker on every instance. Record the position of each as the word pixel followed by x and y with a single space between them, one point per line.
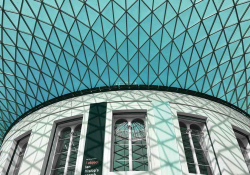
pixel 122 88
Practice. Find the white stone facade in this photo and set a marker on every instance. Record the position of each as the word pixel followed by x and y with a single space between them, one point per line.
pixel 163 133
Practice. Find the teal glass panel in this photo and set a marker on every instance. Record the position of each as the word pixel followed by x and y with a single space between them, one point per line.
pixel 139 146
pixel 121 165
pixel 140 165
pixel 121 146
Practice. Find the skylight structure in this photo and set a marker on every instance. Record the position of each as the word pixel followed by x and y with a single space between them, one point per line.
pixel 50 48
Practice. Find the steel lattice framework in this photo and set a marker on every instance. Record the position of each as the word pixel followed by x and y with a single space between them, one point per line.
pixel 50 48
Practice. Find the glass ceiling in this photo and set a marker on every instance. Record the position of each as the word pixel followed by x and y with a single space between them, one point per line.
pixel 50 48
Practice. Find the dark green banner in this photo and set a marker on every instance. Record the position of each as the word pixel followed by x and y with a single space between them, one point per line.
pixel 93 152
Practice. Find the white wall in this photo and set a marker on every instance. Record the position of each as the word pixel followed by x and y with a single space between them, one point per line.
pixel 164 107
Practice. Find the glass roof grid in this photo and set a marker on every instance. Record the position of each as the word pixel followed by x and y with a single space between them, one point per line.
pixel 53 48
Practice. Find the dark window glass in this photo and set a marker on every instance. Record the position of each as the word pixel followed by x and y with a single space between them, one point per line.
pixel 18 155
pixel 130 146
pixel 139 146
pixel 62 150
pixel 64 159
pixel 240 139
pixel 187 148
pixel 121 146
pixel 20 159
pixel 197 149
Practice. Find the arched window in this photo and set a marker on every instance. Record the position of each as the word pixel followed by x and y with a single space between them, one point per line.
pixel 194 146
pixel 18 155
pixel 129 145
pixel 243 142
pixel 20 158
pixel 66 151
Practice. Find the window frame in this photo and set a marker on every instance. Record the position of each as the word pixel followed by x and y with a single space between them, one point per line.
pixel 51 148
pixel 129 117
pixel 72 125
pixel 11 167
pixel 202 124
pixel 236 133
